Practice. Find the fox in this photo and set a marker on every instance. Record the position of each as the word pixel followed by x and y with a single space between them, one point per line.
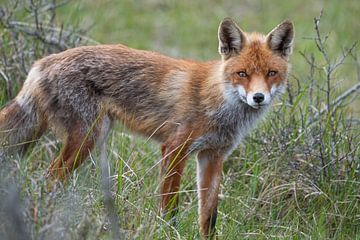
pixel 188 107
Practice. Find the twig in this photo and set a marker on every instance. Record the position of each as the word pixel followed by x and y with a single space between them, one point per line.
pixel 336 102
pixel 347 93
pixel 50 28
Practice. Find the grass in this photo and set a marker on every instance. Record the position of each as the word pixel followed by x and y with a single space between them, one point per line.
pixel 288 180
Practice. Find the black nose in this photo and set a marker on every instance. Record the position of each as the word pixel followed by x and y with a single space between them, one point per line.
pixel 258 97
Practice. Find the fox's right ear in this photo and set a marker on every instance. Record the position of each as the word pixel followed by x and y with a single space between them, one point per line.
pixel 231 38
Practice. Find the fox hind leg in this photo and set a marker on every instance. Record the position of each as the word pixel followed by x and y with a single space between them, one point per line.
pixel 77 147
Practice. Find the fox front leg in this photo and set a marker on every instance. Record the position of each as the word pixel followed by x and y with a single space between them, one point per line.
pixel 209 171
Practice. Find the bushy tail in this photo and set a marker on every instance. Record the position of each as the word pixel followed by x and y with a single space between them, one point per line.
pixel 18 128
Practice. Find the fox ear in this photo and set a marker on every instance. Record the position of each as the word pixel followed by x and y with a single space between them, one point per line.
pixel 231 38
pixel 280 39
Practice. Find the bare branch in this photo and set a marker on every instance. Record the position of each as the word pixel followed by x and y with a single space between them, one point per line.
pixel 336 102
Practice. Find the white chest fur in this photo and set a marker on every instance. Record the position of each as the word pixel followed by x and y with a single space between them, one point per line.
pixel 231 124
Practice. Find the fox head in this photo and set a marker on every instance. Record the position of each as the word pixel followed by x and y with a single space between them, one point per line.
pixel 255 66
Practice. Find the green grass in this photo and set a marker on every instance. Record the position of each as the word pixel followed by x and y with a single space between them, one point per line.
pixel 286 181
pixel 188 29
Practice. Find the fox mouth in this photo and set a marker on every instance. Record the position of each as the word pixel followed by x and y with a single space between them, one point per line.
pixel 258 106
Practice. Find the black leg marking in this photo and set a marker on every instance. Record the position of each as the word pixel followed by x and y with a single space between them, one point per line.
pixel 212 224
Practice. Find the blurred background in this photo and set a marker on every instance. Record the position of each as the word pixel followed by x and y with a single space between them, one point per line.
pixel 300 181
pixel 188 29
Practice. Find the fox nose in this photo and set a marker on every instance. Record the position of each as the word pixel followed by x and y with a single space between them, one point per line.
pixel 258 97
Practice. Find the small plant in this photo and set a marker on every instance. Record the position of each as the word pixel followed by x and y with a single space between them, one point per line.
pixel 29 32
pixel 306 168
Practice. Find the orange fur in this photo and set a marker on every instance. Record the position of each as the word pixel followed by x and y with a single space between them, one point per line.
pixel 185 105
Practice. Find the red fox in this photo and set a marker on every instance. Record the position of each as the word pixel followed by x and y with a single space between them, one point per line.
pixel 186 106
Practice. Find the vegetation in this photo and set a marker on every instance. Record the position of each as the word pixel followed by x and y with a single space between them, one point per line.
pixel 297 176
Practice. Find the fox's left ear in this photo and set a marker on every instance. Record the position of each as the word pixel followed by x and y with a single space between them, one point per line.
pixel 281 38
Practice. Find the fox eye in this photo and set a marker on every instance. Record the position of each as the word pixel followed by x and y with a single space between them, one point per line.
pixel 242 74
pixel 271 73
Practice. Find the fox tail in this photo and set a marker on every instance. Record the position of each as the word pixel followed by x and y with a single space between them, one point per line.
pixel 20 125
